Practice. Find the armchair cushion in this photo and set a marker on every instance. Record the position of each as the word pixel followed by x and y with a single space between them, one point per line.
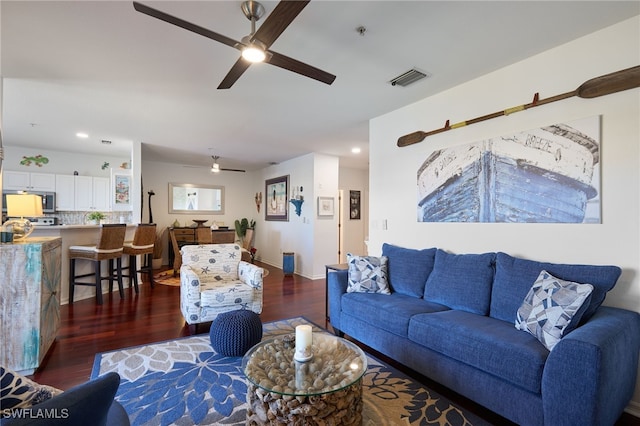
pixel 213 262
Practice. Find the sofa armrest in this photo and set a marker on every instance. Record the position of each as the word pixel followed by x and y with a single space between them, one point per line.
pixel 250 274
pixel 590 375
pixel 336 287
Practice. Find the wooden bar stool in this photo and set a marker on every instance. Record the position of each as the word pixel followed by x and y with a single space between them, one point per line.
pixel 142 245
pixel 109 247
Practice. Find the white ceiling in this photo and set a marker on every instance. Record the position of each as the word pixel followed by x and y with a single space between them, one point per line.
pixel 102 68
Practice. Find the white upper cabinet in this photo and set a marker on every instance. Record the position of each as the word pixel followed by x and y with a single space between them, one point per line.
pixel 91 193
pixel 25 181
pixel 65 192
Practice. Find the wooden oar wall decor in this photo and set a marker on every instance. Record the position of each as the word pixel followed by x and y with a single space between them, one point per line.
pixel 598 86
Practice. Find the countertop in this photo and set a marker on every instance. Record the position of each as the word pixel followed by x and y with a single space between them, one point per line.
pixel 73 226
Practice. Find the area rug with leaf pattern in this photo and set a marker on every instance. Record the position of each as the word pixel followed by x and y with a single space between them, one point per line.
pixel 185 382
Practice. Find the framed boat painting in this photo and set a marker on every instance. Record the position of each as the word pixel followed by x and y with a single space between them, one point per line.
pixel 546 175
pixel 277 206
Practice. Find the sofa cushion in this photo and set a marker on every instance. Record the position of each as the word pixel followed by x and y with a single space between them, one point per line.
pixel 367 274
pixel 390 313
pixel 514 277
pixel 408 268
pixel 18 391
pixel 461 281
pixel 550 306
pixel 490 345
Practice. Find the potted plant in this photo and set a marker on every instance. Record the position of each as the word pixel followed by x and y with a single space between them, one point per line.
pixel 94 218
pixel 242 226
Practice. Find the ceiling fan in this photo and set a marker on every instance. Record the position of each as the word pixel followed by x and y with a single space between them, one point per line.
pixel 255 46
pixel 215 167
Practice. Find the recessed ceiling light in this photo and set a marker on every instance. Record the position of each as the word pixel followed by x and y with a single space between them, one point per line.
pixel 82 135
pixel 355 150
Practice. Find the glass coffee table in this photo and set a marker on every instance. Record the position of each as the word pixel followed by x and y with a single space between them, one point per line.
pixel 324 390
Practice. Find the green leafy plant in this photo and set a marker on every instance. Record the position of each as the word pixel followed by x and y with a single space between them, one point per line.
pixel 96 216
pixel 242 225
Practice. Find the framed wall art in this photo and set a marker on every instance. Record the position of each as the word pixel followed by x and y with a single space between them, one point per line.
pixel 325 206
pixel 121 192
pixel 354 205
pixel 276 203
pixel 549 174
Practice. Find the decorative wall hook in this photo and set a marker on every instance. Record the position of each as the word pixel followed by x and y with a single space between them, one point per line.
pixel 258 199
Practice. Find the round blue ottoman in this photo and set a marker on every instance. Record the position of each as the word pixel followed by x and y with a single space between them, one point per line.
pixel 234 333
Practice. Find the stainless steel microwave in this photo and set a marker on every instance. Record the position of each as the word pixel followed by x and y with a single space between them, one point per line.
pixel 48 200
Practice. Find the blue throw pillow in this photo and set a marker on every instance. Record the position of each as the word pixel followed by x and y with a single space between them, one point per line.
pixel 514 277
pixel 552 308
pixel 367 274
pixel 408 268
pixel 462 281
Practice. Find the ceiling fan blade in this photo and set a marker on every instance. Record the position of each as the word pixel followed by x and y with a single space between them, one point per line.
pixel 234 73
pixel 301 68
pixel 184 24
pixel 233 170
pixel 283 14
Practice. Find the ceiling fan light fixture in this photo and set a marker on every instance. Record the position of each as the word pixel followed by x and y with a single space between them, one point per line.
pixel 215 168
pixel 253 53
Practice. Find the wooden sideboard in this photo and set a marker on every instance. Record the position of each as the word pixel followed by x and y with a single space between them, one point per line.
pixel 187 236
pixel 30 295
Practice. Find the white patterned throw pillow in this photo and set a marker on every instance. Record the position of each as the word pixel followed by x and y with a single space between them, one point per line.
pixel 551 308
pixel 367 274
pixel 21 392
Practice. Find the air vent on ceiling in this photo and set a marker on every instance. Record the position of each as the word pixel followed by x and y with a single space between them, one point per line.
pixel 409 77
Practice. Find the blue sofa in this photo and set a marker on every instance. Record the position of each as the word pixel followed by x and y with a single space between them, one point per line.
pixel 451 318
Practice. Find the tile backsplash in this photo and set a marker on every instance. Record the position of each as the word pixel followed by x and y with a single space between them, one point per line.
pixel 79 218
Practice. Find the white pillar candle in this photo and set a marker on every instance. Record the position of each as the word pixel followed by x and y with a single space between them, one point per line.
pixel 304 341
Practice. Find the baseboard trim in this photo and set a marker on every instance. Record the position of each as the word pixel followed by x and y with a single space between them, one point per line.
pixel 633 408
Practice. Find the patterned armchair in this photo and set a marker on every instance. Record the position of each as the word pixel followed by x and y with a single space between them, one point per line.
pixel 214 280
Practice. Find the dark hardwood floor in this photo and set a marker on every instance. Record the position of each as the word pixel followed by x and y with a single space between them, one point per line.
pixel 154 315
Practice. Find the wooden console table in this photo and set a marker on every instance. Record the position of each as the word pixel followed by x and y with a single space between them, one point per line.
pixel 30 314
pixel 187 236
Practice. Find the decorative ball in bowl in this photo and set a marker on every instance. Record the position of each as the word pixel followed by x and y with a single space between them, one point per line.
pixel 200 222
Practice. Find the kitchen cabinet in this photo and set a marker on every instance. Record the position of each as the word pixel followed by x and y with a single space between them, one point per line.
pixel 65 193
pixel 91 193
pixel 26 181
pixel 30 314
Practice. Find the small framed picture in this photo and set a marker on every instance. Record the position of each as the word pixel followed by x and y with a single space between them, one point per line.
pixel 276 203
pixel 325 206
pixel 354 205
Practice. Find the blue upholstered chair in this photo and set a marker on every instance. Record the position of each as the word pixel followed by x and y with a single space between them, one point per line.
pixel 25 402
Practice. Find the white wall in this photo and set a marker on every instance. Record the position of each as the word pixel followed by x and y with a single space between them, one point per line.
pixel 239 194
pixel 615 241
pixel 313 240
pixel 354 232
pixel 60 162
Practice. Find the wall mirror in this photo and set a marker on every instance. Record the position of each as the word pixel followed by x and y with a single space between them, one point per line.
pixel 196 198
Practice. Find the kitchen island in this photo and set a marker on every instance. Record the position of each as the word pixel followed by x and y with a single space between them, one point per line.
pixel 74 235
